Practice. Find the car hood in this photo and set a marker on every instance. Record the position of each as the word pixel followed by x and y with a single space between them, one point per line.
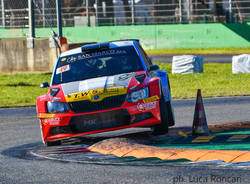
pixel 97 88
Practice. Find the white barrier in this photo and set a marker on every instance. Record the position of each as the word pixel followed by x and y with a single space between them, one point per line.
pixel 241 63
pixel 187 64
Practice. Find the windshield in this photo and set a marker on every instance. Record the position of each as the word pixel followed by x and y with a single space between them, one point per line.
pixel 96 64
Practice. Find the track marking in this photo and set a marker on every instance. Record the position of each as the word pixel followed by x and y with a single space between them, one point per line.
pixel 237 138
pixel 203 139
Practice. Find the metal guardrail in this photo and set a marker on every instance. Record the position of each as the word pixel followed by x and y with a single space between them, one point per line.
pixel 14 13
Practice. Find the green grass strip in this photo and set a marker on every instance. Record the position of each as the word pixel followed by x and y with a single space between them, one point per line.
pixel 199 51
pixel 21 89
pixel 216 81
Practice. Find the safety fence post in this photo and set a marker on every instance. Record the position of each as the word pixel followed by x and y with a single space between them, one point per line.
pixel 180 11
pixel 43 13
pixel 230 11
pixel 97 13
pixel 3 13
pixel 59 17
pixel 133 11
pixel 88 16
pixel 31 19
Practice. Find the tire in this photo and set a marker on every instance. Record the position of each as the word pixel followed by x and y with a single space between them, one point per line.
pixel 171 120
pixel 162 128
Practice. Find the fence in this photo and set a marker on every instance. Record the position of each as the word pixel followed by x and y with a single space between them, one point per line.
pixel 14 13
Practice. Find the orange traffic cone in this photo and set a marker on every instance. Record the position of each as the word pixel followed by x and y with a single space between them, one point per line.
pixel 200 126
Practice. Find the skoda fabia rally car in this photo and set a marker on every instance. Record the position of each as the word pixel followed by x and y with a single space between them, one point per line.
pixel 104 87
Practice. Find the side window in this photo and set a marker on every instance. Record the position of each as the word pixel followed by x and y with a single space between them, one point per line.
pixel 145 57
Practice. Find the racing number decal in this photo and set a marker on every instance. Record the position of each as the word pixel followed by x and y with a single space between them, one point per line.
pixel 62 69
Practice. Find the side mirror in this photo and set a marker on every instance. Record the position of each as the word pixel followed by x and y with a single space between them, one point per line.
pixel 154 67
pixel 44 85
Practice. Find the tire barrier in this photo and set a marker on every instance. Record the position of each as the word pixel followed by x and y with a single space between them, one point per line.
pixel 241 63
pixel 187 64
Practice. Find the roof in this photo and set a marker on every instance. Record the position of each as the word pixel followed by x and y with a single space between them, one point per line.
pixel 113 44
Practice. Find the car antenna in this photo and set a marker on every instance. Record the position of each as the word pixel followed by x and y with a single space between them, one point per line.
pixel 55 38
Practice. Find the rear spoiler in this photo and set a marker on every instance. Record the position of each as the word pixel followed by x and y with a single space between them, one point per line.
pixel 64 46
pixel 88 46
pixel 95 47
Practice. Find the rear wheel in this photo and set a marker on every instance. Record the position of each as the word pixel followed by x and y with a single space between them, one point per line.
pixel 162 128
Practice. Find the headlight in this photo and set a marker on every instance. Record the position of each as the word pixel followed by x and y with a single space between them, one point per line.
pixel 57 107
pixel 138 95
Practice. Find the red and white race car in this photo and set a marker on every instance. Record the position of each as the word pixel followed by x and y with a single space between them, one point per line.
pixel 104 87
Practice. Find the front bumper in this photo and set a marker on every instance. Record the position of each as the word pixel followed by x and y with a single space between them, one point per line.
pixel 65 125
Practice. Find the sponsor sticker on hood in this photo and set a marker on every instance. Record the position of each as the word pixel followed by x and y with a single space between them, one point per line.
pixel 106 83
pixel 96 94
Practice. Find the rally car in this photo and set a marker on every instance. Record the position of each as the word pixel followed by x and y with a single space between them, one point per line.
pixel 104 87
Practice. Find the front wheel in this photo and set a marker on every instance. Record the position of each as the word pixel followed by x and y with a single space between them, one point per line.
pixel 170 113
pixel 162 128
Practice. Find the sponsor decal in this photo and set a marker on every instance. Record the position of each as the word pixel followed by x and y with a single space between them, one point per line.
pixel 90 122
pixel 126 76
pixel 96 97
pixel 45 122
pixel 96 94
pixel 106 82
pixel 111 85
pixel 46 115
pixel 52 121
pixel 63 69
pixel 108 53
pixel 63 59
pixel 75 58
pixel 72 59
pixel 146 106
pixel 151 99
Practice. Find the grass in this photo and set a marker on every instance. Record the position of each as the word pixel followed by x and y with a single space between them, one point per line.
pixel 216 81
pixel 21 89
pixel 199 51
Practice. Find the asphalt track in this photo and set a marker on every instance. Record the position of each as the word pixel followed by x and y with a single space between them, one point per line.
pixel 19 132
pixel 219 58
